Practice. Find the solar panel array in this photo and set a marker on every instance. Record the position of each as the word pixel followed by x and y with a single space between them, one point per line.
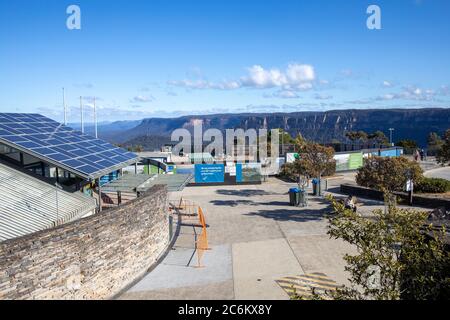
pixel 51 140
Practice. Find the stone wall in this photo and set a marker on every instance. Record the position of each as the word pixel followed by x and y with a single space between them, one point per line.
pixel 91 258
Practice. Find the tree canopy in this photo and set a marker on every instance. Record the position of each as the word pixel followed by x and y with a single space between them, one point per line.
pixel 435 143
pixel 443 155
pixel 408 145
pixel 315 159
pixel 389 174
pixel 396 259
pixel 377 137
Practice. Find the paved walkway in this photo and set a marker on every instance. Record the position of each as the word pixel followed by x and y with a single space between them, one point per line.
pixel 443 172
pixel 256 238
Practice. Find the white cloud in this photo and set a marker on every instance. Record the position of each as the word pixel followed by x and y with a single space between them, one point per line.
pixel 141 98
pixel 323 97
pixel 287 94
pixel 444 90
pixel 387 84
pixel 284 94
pixel 410 93
pixel 203 84
pixel 262 78
pixel 388 96
pixel 298 73
pixel 347 73
pixel 296 77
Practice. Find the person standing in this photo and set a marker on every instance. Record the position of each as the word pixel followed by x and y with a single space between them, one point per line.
pixel 422 154
pixel 416 155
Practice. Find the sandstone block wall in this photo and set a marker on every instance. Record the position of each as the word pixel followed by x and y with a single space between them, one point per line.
pixel 91 258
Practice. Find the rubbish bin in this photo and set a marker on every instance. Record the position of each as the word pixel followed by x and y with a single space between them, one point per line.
pixel 315 185
pixel 319 186
pixel 294 196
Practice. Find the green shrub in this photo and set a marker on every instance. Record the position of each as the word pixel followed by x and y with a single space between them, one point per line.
pixel 388 173
pixel 433 185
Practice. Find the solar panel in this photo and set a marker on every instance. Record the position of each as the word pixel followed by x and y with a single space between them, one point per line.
pixel 62 145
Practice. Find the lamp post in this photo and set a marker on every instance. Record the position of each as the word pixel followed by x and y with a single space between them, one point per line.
pixel 390 135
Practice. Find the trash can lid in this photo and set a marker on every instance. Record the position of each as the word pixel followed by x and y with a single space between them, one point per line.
pixel 295 190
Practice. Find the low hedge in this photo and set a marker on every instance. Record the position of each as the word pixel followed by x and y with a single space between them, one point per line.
pixel 432 185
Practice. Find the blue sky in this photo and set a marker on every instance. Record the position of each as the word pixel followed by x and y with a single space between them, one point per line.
pixel 169 58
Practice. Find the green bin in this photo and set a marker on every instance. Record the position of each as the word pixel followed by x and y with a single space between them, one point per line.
pixel 294 196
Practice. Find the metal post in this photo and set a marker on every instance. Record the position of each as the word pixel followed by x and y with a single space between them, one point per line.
pixel 99 195
pixel 57 206
pixel 57 174
pixel 43 168
pixel 81 110
pixel 119 198
pixel 411 194
pixel 135 168
pixel 65 107
pixel 95 119
pixel 57 186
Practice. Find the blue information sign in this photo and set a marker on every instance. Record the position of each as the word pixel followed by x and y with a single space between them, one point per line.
pixel 209 173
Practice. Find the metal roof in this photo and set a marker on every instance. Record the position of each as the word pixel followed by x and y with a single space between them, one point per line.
pixel 143 182
pixel 199 157
pixel 174 182
pixel 126 183
pixel 153 154
pixel 28 204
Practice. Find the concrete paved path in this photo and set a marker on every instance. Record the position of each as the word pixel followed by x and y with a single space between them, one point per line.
pixel 256 238
pixel 443 173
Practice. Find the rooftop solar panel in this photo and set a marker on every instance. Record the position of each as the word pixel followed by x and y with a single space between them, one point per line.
pixel 65 147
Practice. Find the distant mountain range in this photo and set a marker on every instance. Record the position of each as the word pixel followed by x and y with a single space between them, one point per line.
pixel 322 127
pixel 107 130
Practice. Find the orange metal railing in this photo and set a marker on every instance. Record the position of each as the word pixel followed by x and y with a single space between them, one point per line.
pixel 190 208
pixel 202 240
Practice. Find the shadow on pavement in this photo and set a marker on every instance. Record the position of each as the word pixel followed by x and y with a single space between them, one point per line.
pixel 244 193
pixel 233 203
pixel 299 215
